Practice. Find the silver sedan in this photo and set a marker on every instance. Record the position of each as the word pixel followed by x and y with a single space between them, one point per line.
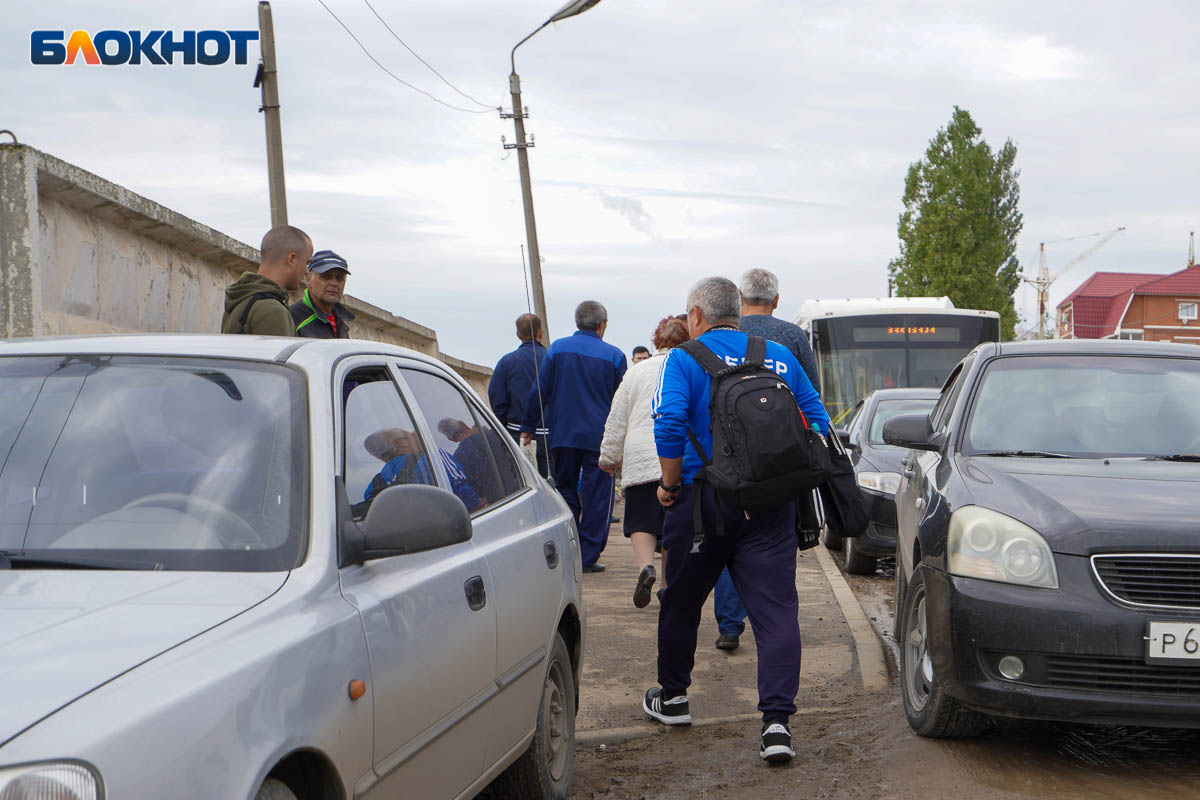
pixel 237 567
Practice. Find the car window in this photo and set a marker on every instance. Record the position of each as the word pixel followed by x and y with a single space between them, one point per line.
pixel 382 445
pixel 886 409
pixel 479 451
pixel 164 463
pixel 856 421
pixel 940 416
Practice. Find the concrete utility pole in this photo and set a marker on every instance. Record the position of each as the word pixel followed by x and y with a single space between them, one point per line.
pixel 521 146
pixel 268 79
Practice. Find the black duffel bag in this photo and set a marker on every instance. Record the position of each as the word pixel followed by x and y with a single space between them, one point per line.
pixel 846 511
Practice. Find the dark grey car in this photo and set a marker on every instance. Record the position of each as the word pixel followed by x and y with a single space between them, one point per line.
pixel 1048 555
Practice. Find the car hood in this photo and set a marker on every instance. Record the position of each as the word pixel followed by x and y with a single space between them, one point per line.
pixel 65 632
pixel 1084 506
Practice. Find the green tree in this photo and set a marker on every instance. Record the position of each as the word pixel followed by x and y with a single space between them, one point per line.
pixel 958 232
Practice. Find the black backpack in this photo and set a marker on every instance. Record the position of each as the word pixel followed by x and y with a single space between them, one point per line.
pixel 764 454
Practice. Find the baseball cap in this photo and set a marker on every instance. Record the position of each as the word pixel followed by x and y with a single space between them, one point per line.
pixel 324 260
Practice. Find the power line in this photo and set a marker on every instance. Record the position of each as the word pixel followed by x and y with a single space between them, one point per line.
pixel 423 61
pixel 392 74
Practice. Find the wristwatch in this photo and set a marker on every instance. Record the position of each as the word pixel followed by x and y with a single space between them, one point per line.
pixel 669 489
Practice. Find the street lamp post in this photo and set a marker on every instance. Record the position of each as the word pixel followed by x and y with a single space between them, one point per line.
pixel 518 115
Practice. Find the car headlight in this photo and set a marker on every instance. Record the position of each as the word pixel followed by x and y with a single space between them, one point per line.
pixel 989 545
pixel 886 482
pixel 50 781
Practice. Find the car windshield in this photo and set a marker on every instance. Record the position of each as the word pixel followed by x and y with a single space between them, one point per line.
pixel 159 463
pixel 1090 406
pixel 894 408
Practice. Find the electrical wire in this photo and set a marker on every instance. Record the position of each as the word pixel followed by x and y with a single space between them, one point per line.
pixel 392 74
pixel 423 61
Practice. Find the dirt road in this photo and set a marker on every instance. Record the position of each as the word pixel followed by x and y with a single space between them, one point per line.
pixel 850 743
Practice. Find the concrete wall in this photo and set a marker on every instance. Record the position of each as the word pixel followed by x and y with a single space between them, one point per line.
pixel 82 255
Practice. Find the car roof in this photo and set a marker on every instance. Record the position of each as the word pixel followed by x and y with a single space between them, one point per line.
pixel 1120 347
pixel 311 353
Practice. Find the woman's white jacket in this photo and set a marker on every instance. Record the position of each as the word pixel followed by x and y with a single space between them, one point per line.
pixel 629 431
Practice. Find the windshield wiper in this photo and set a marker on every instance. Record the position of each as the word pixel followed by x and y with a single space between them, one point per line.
pixel 1023 454
pixel 17 560
pixel 1176 457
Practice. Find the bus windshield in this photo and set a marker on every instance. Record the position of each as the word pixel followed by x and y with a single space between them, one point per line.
pixel 858 354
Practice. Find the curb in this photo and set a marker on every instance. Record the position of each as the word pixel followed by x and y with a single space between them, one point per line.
pixel 871 664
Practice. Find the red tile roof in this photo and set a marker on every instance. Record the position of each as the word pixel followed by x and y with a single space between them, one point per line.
pixel 1100 301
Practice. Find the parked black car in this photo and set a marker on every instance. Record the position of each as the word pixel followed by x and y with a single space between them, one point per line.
pixel 1048 559
pixel 877 469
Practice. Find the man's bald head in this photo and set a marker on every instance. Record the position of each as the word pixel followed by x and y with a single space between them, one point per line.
pixel 285 252
pixel 529 326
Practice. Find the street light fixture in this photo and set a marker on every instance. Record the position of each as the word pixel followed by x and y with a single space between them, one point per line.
pixel 518 115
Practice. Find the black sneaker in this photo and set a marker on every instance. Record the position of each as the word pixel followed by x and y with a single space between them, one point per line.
pixel 645 582
pixel 728 641
pixel 669 712
pixel 776 744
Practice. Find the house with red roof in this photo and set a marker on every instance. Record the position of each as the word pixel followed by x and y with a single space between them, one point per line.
pixel 1134 305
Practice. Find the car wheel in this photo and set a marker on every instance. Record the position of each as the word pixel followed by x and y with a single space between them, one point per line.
pixel 543 772
pixel 830 539
pixel 274 790
pixel 930 711
pixel 855 562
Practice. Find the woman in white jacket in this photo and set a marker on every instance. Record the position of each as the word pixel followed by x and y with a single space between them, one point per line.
pixel 629 444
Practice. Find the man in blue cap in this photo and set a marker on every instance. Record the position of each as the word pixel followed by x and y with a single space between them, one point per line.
pixel 320 313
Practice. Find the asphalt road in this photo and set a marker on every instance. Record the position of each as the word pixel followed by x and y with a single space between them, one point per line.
pixel 852 742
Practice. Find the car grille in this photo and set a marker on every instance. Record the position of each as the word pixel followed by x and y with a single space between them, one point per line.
pixel 1107 674
pixel 1152 580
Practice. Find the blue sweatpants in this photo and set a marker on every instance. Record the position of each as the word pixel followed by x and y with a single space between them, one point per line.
pixel 727 606
pixel 760 552
pixel 593 509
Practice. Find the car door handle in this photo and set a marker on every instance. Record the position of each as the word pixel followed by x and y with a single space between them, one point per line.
pixel 476 593
pixel 550 551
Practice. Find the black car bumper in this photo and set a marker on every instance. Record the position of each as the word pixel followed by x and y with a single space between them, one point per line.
pixel 879 539
pixel 1084 655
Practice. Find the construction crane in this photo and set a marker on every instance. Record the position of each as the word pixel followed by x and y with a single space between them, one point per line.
pixel 1045 280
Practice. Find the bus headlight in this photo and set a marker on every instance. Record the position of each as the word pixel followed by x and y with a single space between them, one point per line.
pixel 64 780
pixel 886 482
pixel 989 545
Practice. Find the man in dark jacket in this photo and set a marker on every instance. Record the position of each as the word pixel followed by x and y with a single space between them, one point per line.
pixel 511 381
pixel 320 313
pixel 257 303
pixel 576 383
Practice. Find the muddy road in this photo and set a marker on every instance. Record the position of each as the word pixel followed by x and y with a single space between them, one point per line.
pixel 852 744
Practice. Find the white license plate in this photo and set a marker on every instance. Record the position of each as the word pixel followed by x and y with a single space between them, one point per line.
pixel 1173 641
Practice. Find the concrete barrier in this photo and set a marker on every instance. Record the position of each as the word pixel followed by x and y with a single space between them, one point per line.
pixel 82 255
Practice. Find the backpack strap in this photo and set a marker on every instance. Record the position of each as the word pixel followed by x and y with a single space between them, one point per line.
pixel 254 298
pixel 756 350
pixel 709 361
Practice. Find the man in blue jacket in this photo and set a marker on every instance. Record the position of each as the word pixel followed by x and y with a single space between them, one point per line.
pixel 759 548
pixel 511 381
pixel 577 380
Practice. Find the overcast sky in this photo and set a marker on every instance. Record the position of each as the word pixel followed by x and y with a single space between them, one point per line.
pixel 674 139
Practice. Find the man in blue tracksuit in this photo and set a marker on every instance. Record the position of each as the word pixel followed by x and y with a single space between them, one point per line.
pixel 511 381
pixel 759 548
pixel 578 378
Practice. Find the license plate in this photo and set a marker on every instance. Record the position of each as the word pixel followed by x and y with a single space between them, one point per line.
pixel 1173 641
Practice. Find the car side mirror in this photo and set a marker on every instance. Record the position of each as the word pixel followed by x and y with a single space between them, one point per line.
pixel 911 430
pixel 844 435
pixel 402 519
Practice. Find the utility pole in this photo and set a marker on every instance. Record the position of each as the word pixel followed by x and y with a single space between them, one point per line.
pixel 518 115
pixel 268 79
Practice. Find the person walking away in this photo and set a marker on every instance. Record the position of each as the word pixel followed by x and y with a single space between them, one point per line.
pixel 575 386
pixel 320 313
pixel 758 547
pixel 759 293
pixel 628 444
pixel 640 353
pixel 257 302
pixel 512 379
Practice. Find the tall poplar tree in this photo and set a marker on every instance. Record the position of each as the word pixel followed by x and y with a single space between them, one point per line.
pixel 958 232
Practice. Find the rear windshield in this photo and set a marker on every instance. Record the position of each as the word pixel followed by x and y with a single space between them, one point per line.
pixel 894 408
pixel 157 463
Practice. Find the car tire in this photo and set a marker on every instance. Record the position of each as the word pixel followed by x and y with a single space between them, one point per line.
pixel 830 539
pixel 855 562
pixel 273 789
pixel 929 710
pixel 543 772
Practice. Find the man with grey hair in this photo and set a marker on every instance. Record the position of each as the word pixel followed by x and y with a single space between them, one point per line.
pixel 257 302
pixel 758 546
pixel 575 384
